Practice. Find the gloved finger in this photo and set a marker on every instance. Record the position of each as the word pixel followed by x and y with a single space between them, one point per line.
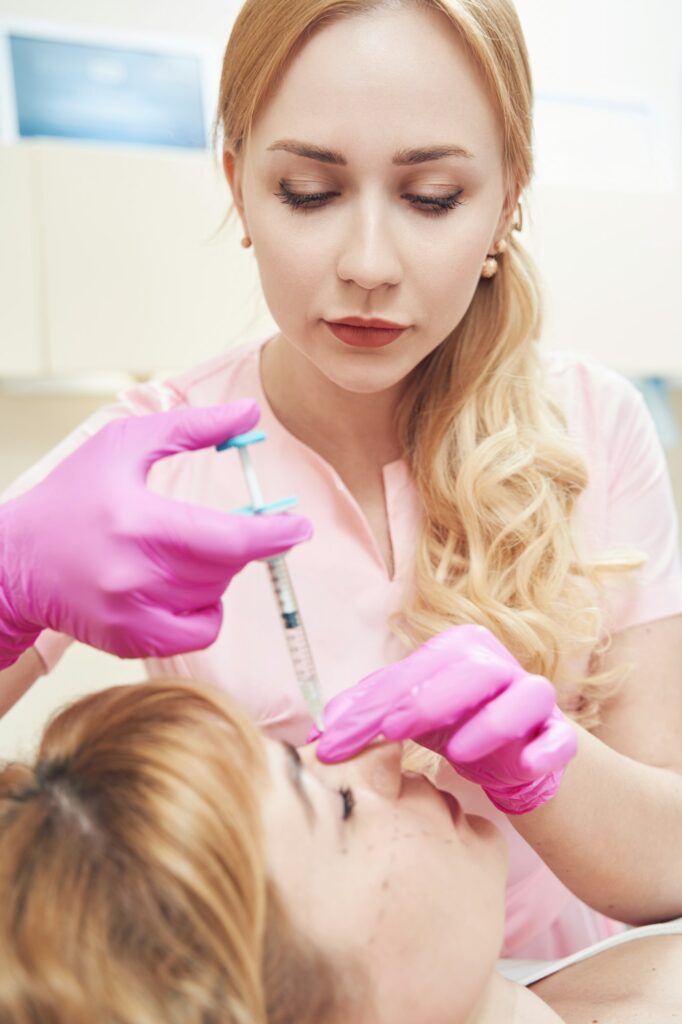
pixel 198 540
pixel 161 634
pixel 365 697
pixel 430 687
pixel 170 592
pixel 355 713
pixel 552 749
pixel 340 707
pixel 341 747
pixel 342 750
pixel 455 649
pixel 469 640
pixel 166 433
pixel 360 714
pixel 517 712
pixel 353 718
pixel 434 703
pixel 425 691
pixel 447 696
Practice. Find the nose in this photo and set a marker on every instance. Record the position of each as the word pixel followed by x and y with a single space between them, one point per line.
pixel 369 258
pixel 378 768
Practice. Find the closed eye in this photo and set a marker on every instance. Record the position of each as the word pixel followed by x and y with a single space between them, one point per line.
pixel 305 202
pixel 295 771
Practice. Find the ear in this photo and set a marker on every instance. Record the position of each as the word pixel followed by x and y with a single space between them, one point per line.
pixel 504 224
pixel 233 172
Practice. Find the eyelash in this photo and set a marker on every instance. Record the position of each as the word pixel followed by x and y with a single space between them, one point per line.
pixel 348 801
pixel 302 203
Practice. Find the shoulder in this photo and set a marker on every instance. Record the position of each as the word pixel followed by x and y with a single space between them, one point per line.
pixel 233 374
pixel 625 982
pixel 584 387
pixel 605 412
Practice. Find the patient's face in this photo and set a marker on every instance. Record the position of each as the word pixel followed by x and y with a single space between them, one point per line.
pixel 407 883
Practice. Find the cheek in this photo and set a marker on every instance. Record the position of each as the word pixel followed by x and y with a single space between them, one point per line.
pixel 466 251
pixel 434 933
pixel 292 271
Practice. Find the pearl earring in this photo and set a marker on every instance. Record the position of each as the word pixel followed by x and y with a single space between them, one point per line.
pixel 246 241
pixel 490 267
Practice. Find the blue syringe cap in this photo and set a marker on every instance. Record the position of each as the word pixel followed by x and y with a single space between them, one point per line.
pixel 241 440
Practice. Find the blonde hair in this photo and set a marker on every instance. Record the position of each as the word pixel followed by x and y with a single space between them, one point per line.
pixel 495 469
pixel 133 883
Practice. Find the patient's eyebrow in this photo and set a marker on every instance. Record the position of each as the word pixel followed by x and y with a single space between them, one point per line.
pixel 294 768
pixel 401 158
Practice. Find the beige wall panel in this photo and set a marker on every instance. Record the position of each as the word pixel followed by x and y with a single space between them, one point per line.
pixel 82 670
pixel 134 279
pixel 611 264
pixel 20 323
pixel 211 19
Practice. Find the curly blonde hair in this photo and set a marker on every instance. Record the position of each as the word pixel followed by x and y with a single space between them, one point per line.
pixel 497 474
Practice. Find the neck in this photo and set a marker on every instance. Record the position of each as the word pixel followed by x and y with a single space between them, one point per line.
pixel 334 422
pixel 505 1000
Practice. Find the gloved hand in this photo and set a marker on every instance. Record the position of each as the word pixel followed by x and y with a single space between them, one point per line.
pixel 465 696
pixel 92 553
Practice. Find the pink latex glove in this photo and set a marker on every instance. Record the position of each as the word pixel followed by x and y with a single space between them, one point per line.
pixel 91 552
pixel 465 696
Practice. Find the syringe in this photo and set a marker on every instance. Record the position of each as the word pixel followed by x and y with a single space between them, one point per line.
pixel 294 630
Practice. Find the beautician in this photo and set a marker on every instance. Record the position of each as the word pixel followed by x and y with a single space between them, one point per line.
pixel 456 473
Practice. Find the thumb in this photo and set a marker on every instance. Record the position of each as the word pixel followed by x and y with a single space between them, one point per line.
pixel 179 430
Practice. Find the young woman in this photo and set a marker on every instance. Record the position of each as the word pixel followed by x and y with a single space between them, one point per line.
pixel 162 861
pixel 454 473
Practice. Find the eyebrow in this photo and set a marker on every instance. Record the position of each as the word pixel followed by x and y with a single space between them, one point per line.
pixel 294 768
pixel 401 158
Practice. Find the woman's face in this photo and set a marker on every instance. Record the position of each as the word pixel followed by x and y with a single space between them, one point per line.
pixel 370 91
pixel 383 867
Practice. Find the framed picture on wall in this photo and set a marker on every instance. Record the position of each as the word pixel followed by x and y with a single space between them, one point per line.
pixel 101 86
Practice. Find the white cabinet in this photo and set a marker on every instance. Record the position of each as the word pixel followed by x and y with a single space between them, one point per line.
pixel 21 307
pixel 136 277
pixel 130 271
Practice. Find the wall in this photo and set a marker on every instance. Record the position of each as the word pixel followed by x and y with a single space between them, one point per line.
pixel 209 18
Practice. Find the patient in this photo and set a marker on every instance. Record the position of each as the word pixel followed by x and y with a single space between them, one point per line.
pixel 163 862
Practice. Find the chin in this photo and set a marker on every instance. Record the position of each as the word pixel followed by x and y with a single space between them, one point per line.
pixel 360 375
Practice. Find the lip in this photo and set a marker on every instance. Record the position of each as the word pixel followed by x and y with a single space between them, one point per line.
pixel 358 321
pixel 364 337
pixel 453 805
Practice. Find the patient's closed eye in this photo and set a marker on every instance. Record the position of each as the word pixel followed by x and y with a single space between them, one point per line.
pixel 296 772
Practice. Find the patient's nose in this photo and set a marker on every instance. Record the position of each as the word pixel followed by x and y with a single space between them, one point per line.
pixel 378 768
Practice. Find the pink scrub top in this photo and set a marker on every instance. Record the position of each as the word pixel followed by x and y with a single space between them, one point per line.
pixel 347 596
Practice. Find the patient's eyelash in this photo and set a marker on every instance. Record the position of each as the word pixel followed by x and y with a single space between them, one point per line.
pixel 348 801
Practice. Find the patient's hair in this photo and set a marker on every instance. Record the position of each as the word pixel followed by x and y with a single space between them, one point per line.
pixel 133 881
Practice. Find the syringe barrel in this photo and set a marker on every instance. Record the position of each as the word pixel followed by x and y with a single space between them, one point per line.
pixel 297 640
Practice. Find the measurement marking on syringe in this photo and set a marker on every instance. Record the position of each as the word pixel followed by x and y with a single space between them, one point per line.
pixel 294 631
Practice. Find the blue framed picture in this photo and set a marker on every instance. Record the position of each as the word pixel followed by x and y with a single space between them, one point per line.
pixel 107 93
